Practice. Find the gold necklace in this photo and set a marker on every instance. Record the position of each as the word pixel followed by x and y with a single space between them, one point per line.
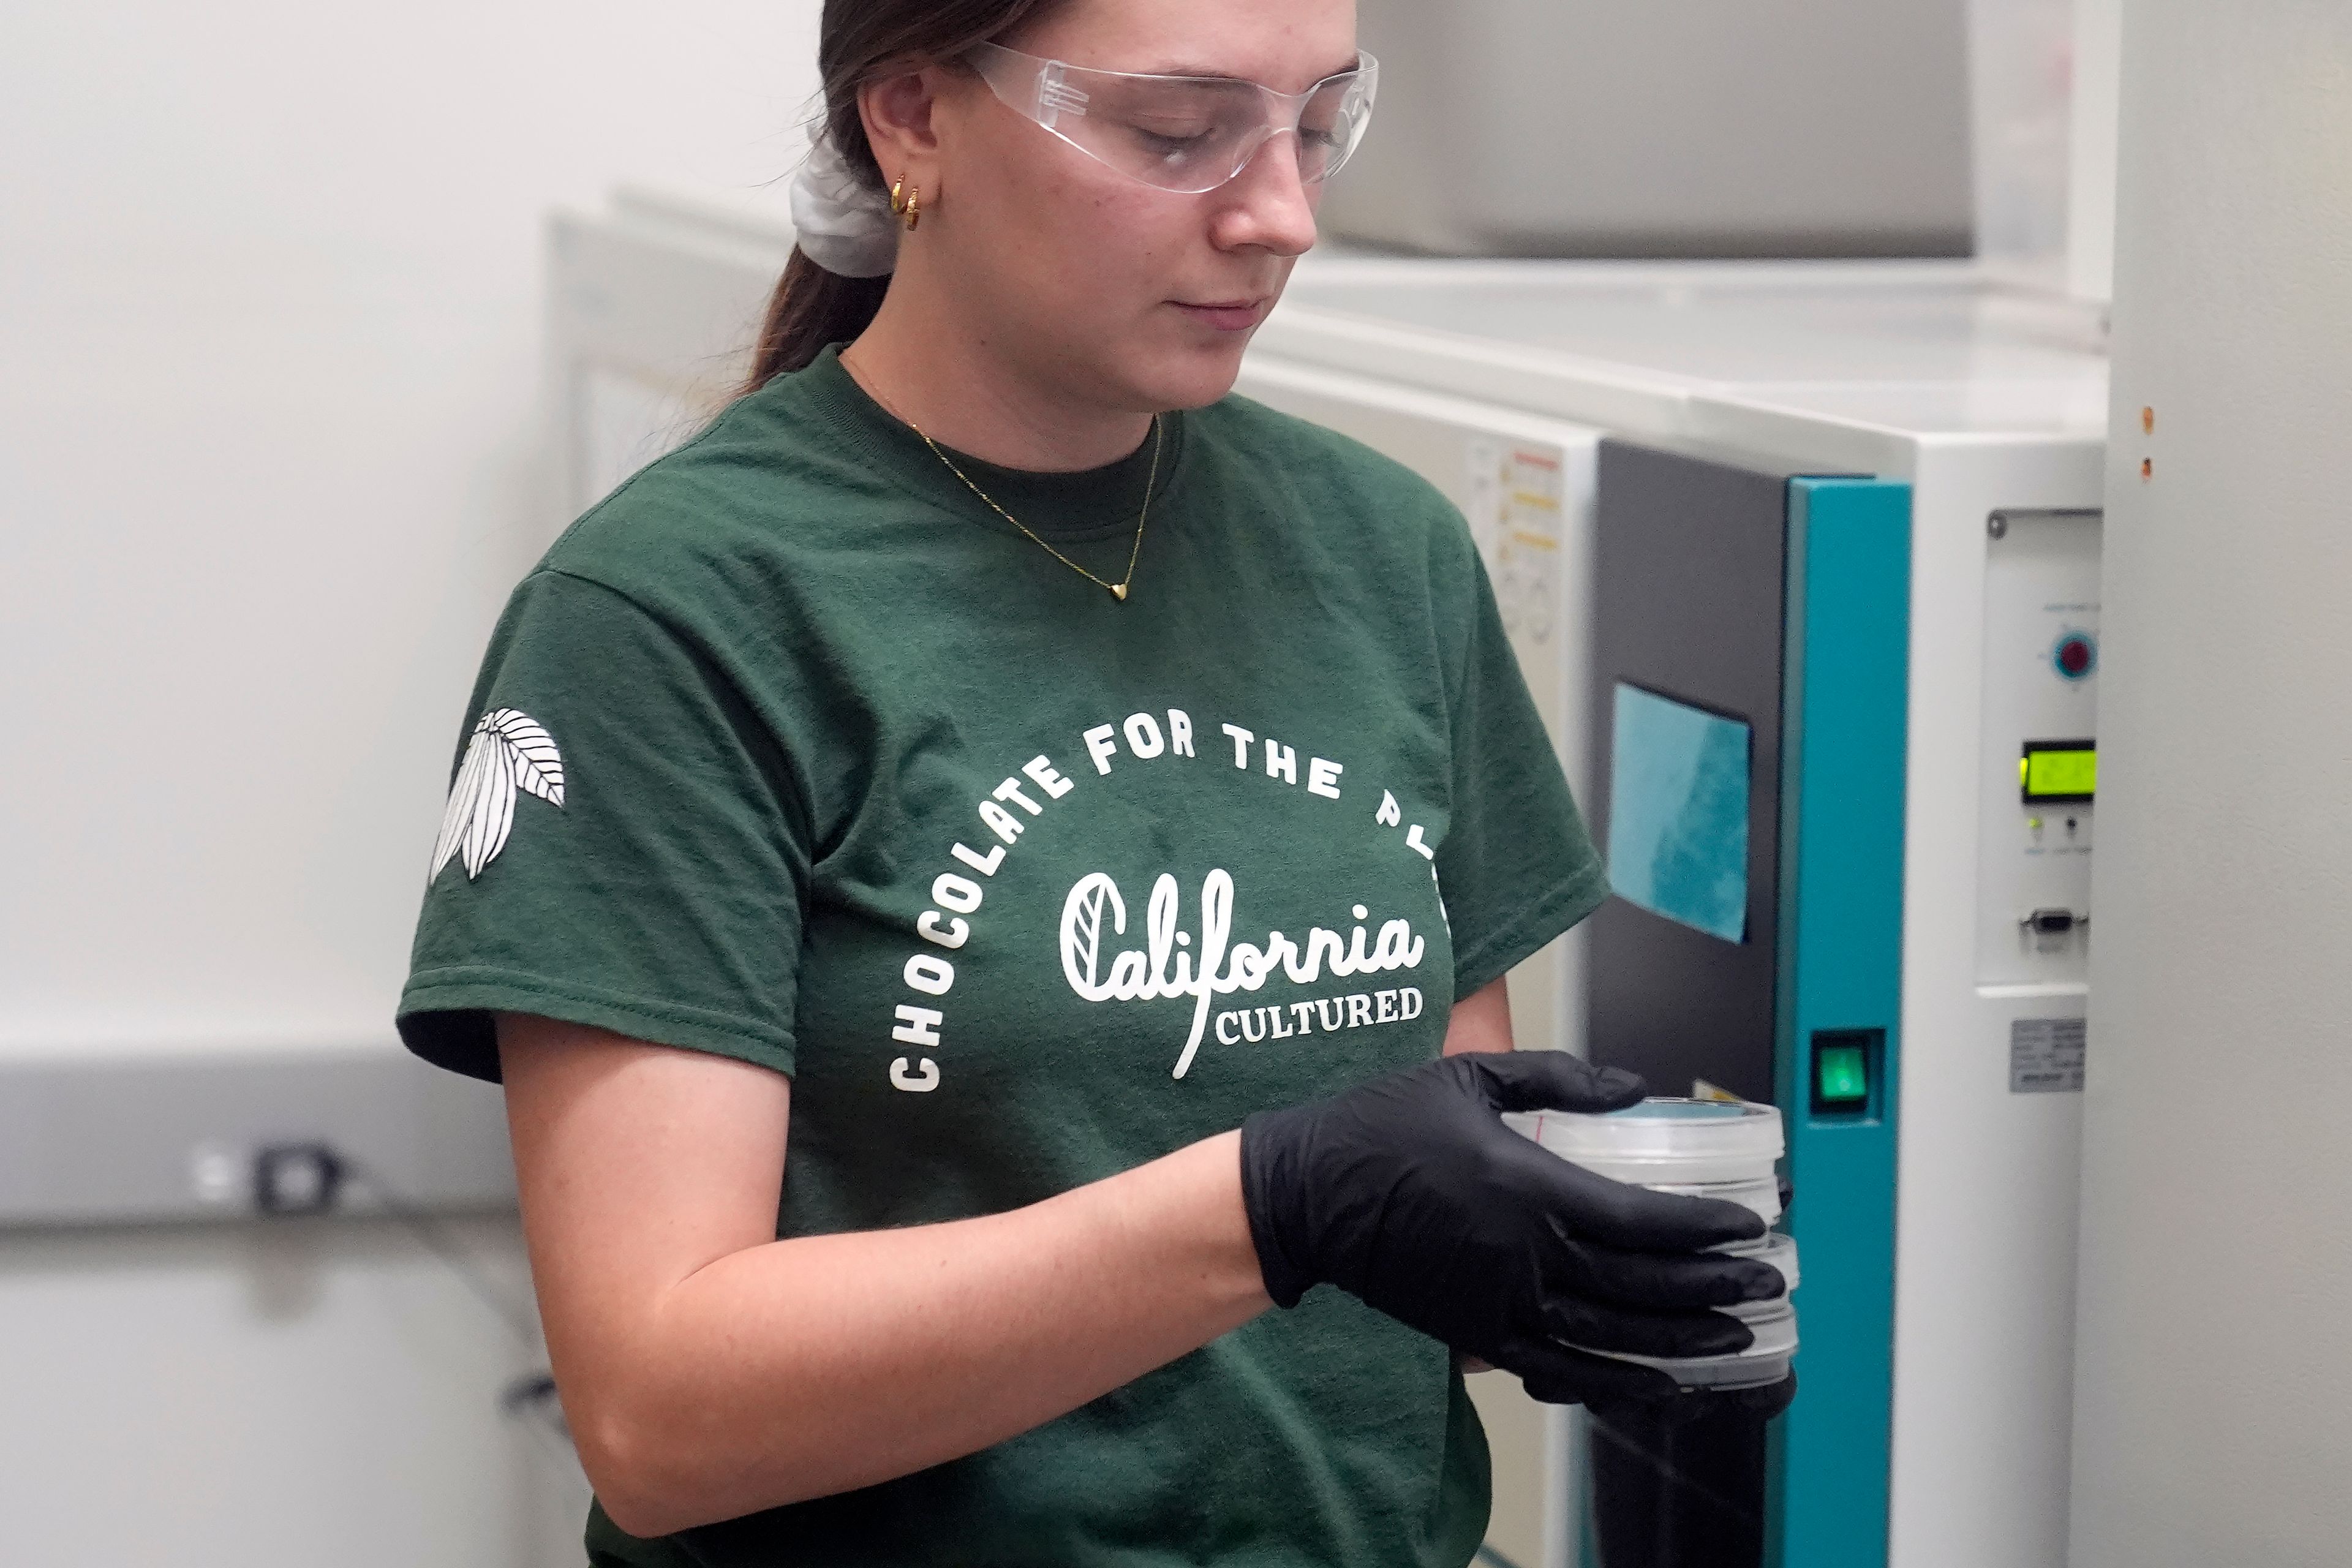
pixel 1118 589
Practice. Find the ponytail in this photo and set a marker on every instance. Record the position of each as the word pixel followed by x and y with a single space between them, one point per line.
pixel 857 40
pixel 810 308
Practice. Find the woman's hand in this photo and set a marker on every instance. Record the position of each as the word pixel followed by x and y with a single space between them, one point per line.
pixel 1409 1192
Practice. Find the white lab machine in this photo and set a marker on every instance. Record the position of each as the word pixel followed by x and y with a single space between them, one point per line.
pixel 1932 717
pixel 1585 128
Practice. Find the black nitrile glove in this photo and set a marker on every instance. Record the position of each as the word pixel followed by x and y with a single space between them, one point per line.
pixel 1409 1192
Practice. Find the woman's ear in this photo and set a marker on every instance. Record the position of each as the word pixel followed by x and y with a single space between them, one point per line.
pixel 897 110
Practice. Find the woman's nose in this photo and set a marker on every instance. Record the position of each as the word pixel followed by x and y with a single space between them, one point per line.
pixel 1268 204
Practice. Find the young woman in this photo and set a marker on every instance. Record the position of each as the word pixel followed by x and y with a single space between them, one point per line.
pixel 994 865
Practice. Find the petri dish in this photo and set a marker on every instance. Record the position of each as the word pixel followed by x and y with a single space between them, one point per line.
pixel 1774 1247
pixel 1762 1194
pixel 1766 1361
pixel 1663 1138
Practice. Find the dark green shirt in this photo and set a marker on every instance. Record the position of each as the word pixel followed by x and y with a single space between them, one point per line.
pixel 794 751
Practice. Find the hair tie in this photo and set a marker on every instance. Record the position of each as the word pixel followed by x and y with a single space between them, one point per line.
pixel 840 222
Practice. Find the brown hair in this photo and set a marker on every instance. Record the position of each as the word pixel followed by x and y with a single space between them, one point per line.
pixel 856 41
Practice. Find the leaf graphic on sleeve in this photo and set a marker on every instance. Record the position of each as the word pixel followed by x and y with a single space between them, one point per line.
pixel 492 815
pixel 453 818
pixel 538 766
pixel 509 750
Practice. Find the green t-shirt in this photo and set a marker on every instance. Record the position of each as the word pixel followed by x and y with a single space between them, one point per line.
pixel 794 751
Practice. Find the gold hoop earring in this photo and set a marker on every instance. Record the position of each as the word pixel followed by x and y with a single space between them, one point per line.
pixel 910 206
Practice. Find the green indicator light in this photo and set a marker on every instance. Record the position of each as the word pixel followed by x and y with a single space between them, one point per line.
pixel 1844 1074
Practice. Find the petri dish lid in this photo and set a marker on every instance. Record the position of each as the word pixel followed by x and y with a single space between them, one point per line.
pixel 1765 1361
pixel 1663 1138
pixel 1753 1312
pixel 1775 1248
pixel 1762 1193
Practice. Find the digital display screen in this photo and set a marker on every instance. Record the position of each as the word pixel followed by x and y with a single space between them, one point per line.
pixel 2058 772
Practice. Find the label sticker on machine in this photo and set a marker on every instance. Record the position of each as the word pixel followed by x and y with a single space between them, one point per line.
pixel 1525 558
pixel 2045 1056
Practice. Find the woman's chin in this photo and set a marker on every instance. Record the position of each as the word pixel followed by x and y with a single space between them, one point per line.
pixel 1198 376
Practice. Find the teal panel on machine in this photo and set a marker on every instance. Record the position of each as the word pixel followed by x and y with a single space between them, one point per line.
pixel 1837 1062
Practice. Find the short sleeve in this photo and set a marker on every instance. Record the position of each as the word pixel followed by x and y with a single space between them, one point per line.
pixel 620 849
pixel 1516 866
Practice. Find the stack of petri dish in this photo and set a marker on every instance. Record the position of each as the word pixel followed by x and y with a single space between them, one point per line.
pixel 1707 1149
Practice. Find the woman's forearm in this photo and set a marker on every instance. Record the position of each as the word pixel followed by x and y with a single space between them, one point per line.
pixel 817 1364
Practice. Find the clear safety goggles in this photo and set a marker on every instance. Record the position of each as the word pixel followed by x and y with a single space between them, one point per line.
pixel 1181 134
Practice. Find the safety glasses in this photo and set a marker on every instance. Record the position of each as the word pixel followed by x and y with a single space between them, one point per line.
pixel 1181 134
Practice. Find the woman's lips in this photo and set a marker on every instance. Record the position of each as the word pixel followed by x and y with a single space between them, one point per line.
pixel 1227 315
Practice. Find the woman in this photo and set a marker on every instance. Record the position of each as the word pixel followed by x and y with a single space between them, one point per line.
pixel 985 788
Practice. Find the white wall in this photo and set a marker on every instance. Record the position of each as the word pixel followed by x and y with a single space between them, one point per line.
pixel 269 460
pixel 2213 1394
pixel 307 1393
pixel 268 455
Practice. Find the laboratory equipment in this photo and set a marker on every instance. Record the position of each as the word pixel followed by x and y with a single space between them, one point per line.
pixel 1664 1139
pixel 2021 64
pixel 1839 536
pixel 1578 128
pixel 1765 1361
pixel 1720 1149
pixel 2206 1428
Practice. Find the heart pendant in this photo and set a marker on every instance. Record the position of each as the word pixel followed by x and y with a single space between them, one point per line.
pixel 1118 591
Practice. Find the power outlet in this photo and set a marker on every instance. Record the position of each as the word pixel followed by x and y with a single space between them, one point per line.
pixel 295 1178
pixel 220 1175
